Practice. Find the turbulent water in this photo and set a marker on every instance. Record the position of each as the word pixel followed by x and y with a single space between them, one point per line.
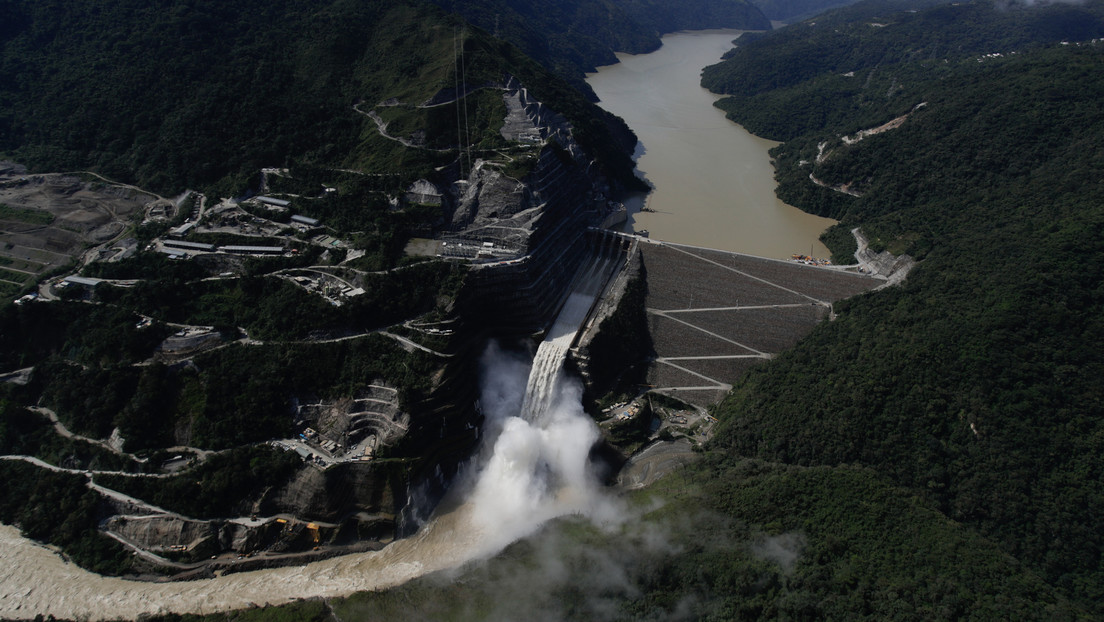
pixel 533 467
pixel 552 351
pixel 538 467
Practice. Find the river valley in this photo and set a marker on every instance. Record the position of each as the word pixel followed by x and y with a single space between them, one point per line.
pixel 713 181
pixel 714 187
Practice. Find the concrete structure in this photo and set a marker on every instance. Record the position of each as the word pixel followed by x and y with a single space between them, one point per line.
pixel 273 202
pixel 253 250
pixel 304 220
pixel 183 229
pixel 714 314
pixel 81 280
pixel 191 246
pixel 423 192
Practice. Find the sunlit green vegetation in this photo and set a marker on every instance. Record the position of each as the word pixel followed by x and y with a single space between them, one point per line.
pixel 279 85
pixel 482 112
pixel 972 385
pixel 22 214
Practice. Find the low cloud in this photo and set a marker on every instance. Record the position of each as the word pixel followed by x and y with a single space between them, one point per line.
pixel 784 549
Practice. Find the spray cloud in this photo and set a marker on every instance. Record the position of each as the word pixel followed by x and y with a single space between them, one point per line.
pixel 534 468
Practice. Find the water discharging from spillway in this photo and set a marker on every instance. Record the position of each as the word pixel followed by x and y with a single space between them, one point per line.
pixel 539 464
pixel 533 468
pixel 553 350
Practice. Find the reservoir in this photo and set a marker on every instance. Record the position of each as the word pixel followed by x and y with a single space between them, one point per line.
pixel 713 181
pixel 714 188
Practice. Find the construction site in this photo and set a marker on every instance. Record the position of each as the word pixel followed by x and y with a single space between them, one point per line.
pixel 49 220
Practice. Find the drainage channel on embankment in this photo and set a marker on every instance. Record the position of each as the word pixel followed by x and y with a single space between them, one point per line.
pixel 714 314
pixel 710 314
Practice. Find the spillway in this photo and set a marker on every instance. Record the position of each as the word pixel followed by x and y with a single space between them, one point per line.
pixel 551 353
pixel 537 470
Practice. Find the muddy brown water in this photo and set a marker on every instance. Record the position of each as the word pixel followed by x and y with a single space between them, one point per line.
pixel 714 188
pixel 35 580
pixel 713 181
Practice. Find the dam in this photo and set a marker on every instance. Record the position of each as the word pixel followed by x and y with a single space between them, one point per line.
pixel 713 314
pixel 536 465
pixel 710 315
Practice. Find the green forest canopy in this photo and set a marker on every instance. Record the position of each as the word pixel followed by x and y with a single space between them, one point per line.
pixel 974 384
pixel 937 446
pixel 186 94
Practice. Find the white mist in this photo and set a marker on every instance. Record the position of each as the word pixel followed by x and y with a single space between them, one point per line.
pixel 535 464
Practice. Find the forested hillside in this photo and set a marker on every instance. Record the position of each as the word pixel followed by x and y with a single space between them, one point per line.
pixel 571 37
pixel 575 36
pixel 795 10
pixel 975 384
pixel 847 69
pixel 203 95
pixel 664 16
pixel 172 95
pixel 935 451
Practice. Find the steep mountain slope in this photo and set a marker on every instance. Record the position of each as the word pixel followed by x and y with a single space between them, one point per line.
pixel 279 335
pixel 974 383
pixel 664 16
pixel 575 36
pixel 799 79
pixel 796 10
pixel 932 453
pixel 571 37
pixel 175 95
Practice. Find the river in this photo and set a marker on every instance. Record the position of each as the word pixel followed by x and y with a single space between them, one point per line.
pixel 714 188
pixel 713 181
